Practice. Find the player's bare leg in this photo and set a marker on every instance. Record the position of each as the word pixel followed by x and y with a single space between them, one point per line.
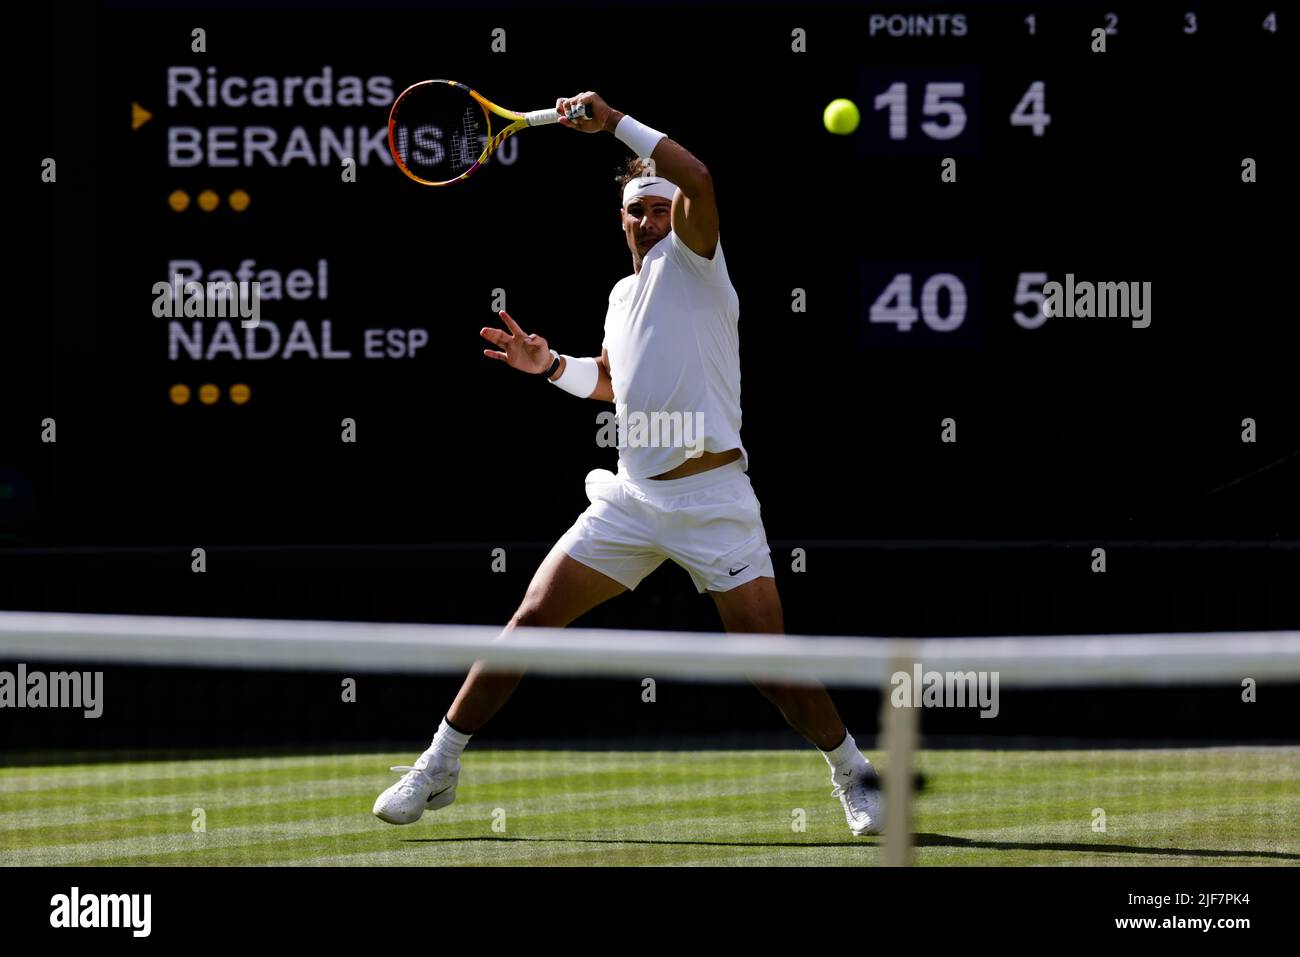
pixel 755 608
pixel 561 591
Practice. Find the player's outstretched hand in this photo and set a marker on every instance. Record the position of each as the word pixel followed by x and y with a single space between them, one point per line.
pixel 600 112
pixel 518 350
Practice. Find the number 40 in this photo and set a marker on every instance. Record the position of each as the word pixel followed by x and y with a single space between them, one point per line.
pixel 894 304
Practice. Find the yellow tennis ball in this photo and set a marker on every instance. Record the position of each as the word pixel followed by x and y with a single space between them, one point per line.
pixel 841 116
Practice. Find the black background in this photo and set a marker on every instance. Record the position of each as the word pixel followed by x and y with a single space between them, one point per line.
pixel 1079 434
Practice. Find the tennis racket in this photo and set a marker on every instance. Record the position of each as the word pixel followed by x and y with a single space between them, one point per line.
pixel 440 131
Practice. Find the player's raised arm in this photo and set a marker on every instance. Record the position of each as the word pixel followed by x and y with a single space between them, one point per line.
pixel 527 353
pixel 587 377
pixel 695 210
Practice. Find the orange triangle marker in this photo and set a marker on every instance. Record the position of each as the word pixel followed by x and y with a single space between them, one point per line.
pixel 139 116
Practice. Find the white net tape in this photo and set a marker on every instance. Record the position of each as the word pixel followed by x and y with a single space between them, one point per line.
pixel 364 646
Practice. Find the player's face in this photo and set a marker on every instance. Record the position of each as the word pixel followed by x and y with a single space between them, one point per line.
pixel 646 220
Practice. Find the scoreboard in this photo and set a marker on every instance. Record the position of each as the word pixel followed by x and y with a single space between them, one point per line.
pixel 1055 225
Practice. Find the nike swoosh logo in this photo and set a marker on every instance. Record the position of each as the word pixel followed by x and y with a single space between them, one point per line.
pixel 736 571
pixel 443 791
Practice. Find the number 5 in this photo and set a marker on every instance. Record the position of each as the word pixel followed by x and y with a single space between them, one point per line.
pixel 1025 295
pixel 935 105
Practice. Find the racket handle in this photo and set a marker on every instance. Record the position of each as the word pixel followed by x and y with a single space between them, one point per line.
pixel 543 117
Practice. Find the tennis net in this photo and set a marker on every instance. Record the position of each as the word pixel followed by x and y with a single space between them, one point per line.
pixel 158 740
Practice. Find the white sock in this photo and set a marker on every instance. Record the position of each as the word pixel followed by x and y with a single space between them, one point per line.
pixel 846 759
pixel 445 749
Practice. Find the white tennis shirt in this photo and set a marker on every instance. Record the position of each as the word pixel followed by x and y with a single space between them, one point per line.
pixel 674 354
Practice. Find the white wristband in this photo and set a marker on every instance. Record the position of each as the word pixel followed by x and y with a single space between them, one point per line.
pixel 579 376
pixel 638 137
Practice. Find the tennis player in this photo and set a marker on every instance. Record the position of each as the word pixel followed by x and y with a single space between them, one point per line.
pixel 671 349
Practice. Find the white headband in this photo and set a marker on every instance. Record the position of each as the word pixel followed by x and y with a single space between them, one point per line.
pixel 648 186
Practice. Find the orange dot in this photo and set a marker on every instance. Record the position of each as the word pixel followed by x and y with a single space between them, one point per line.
pixel 179 200
pixel 208 200
pixel 239 200
pixel 239 393
pixel 180 393
pixel 209 393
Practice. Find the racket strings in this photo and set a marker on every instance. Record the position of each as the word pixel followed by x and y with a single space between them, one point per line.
pixel 439 132
pixel 472 138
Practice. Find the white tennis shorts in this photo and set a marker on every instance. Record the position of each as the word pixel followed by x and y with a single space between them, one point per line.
pixel 709 523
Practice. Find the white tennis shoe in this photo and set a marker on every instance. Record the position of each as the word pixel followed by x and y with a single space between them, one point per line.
pixel 859 791
pixel 420 790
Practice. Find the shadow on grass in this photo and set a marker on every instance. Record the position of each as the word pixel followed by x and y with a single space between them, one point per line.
pixel 614 840
pixel 944 840
pixel 918 840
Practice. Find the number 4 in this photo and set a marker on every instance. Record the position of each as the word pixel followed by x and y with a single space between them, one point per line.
pixel 894 304
pixel 1029 111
